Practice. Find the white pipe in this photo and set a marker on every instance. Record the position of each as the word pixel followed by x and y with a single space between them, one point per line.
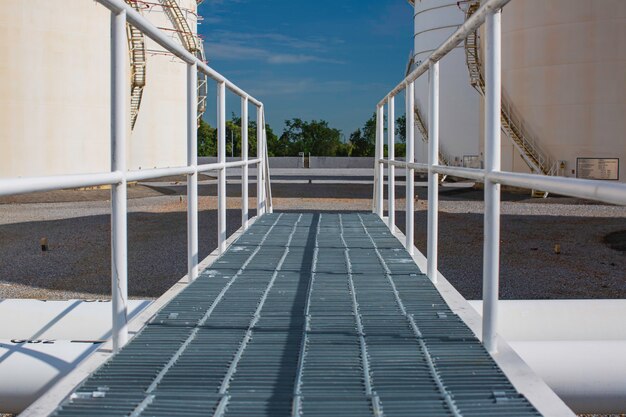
pixel 14 186
pixel 433 177
pixel 145 174
pixel 267 196
pixel 391 180
pixel 192 178
pixel 259 154
pixel 221 158
pixel 28 370
pixel 244 158
pixel 576 346
pixel 60 320
pixel 491 252
pixel 380 184
pixel 36 347
pixel 560 320
pixel 410 172
pixel 589 376
pixel 119 262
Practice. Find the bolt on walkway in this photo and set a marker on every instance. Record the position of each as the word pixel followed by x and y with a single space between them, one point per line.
pixel 304 315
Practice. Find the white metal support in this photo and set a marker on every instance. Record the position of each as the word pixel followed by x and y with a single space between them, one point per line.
pixel 260 155
pixel 410 172
pixel 380 174
pixel 491 256
pixel 221 159
pixel 433 177
pixel 391 169
pixel 244 168
pixel 267 196
pixel 192 178
pixel 119 259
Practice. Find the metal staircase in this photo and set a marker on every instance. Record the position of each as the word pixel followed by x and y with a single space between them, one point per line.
pixel 192 42
pixel 137 51
pixel 537 159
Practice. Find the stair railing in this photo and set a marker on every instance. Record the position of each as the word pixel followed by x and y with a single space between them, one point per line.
pixel 491 175
pixel 119 176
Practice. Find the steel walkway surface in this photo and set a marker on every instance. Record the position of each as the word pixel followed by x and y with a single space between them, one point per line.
pixel 305 314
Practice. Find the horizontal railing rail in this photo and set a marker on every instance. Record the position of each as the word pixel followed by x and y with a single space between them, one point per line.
pixel 119 176
pixel 492 176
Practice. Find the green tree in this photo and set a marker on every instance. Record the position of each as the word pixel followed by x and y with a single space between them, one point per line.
pixel 207 139
pixel 401 128
pixel 315 137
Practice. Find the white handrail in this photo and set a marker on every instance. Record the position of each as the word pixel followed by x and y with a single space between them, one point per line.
pixel 121 14
pixel 491 175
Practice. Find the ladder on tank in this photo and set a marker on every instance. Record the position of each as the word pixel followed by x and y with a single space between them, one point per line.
pixel 193 43
pixel 137 52
pixel 537 159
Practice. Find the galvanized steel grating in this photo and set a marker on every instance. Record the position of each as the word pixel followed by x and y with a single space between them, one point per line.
pixel 305 314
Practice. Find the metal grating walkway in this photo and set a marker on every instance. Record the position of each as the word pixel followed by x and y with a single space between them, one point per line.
pixel 306 314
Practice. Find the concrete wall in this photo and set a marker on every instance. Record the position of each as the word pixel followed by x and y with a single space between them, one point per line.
pixel 341 162
pixel 275 162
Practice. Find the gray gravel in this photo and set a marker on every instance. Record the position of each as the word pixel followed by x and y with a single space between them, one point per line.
pixel 77 266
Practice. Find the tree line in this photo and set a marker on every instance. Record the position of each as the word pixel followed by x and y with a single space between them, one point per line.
pixel 315 137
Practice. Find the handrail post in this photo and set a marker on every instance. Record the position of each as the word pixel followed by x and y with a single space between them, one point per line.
pixel 221 159
pixel 410 172
pixel 259 154
pixel 491 257
pixel 433 177
pixel 391 183
pixel 119 254
pixel 267 196
pixel 192 179
pixel 244 168
pixel 380 174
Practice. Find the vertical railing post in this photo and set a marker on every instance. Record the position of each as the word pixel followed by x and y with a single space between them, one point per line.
pixel 119 260
pixel 192 179
pixel 410 172
pixel 380 174
pixel 260 154
pixel 266 170
pixel 244 168
pixel 391 180
pixel 221 159
pixel 491 256
pixel 433 177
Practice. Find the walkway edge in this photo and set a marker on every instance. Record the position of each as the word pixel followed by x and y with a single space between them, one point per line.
pixel 523 378
pixel 49 402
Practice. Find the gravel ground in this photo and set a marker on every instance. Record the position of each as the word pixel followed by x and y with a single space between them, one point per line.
pixel 77 224
pixel 77 264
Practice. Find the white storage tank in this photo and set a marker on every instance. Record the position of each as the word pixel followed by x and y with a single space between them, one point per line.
pixel 564 70
pixel 55 89
pixel 564 85
pixel 435 21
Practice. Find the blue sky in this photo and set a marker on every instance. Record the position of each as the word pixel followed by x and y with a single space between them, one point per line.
pixel 321 59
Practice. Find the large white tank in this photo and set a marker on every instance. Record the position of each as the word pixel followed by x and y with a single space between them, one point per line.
pixel 55 90
pixel 435 21
pixel 564 70
pixel 564 83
